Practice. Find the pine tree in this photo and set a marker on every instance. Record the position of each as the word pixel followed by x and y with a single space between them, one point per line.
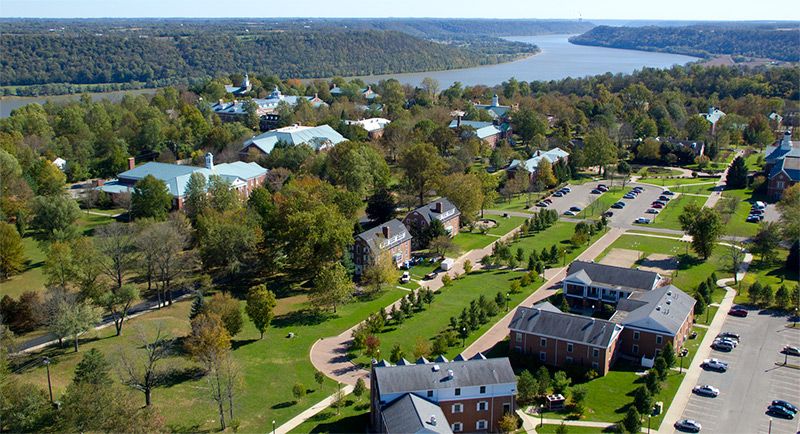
pixel 198 305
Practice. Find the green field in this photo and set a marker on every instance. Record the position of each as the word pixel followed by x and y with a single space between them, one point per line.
pixel 773 274
pixel 448 302
pixel 352 418
pixel 705 189
pixel 559 235
pixel 737 224
pixel 668 217
pixel 551 429
pixel 603 202
pixel 518 203
pixel 467 241
pixel 269 367
pixel 675 182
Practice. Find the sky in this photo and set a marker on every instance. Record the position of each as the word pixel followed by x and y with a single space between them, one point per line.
pixel 587 9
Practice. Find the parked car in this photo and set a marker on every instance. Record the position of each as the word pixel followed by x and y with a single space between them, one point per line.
pixel 575 208
pixel 728 340
pixel 567 189
pixel 431 275
pixel 643 220
pixel 730 335
pixel 785 405
pixel 664 198
pixel 618 205
pixel 596 191
pixel 706 390
pixel 779 411
pixel 668 193
pixel 722 346
pixel 608 214
pixel 688 425
pixel 651 211
pixel 558 194
pixel 792 351
pixel 754 218
pixel 757 211
pixel 548 200
pixel 714 365
pixel 760 205
pixel 602 186
pixel 738 312
pixel 657 205
pixel 629 196
pixel 405 278
pixel 570 213
pixel 542 204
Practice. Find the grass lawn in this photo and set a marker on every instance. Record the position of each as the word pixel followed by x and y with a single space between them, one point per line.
pixel 693 345
pixel 559 235
pixel 658 172
pixel 467 241
pixel 668 217
pixel 352 418
pixel 754 161
pixel 669 182
pixel 551 429
pixel 268 368
pixel 707 316
pixel 644 232
pixel 518 203
pixel 691 271
pixel 737 224
pixel 704 189
pixel 609 396
pixel 774 274
pixel 603 202
pixel 449 301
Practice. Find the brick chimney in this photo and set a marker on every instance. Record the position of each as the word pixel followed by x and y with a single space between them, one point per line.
pixel 386 231
pixel 437 207
pixel 131 163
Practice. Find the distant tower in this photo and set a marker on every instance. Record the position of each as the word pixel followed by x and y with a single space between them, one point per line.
pixel 246 83
pixel 209 161
pixel 495 101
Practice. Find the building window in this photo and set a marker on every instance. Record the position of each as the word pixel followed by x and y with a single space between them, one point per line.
pixel 506 408
pixel 568 360
pixel 483 405
pixel 635 336
pixel 595 352
pixel 481 424
pixel 569 347
pixel 457 427
pixel 542 356
pixel 518 336
pixel 595 365
pixel 458 391
pixel 543 342
pixel 635 349
pixel 483 389
pixel 458 408
pixel 430 394
pixel 659 339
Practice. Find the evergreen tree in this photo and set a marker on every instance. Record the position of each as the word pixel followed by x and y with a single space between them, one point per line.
pixel 737 174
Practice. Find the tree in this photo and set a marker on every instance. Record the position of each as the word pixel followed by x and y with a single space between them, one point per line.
pixel 697 128
pixel 360 388
pixel 229 311
pixel 150 198
pixel 599 148
pixel 382 271
pixel 93 369
pixel 578 395
pixel 754 292
pixel 544 174
pixel 141 372
pixel 422 166
pixel 208 340
pixel 298 391
pixel 24 407
pixel 442 245
pixel 54 216
pixel 115 243
pixel 560 382
pixel 705 227
pixel 381 205
pixel 227 240
pixel 508 423
pixel 222 196
pixel 668 353
pixel 789 208
pixel 196 197
pixel 783 298
pixel 170 259
pixel 489 185
pixel 542 381
pixel 660 367
pixel 562 428
pixel 648 150
pixel 465 191
pixel 357 166
pixel 259 308
pixel 766 242
pixel 421 348
pixel 528 124
pixel 643 400
pixel 319 378
pixel 71 318
pixel 118 301
pixel 12 252
pixel 632 421
pixel 467 266
pixel 339 398
pixel 736 254
pixel 737 174
pixel 526 387
pixel 332 286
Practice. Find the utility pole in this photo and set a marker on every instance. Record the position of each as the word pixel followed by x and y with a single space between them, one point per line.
pixel 46 362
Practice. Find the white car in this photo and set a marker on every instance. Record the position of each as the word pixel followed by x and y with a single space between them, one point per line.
pixel 733 342
pixel 651 211
pixel 643 220
pixel 688 425
pixel 405 278
pixel 706 390
pixel 714 364
pixel 570 212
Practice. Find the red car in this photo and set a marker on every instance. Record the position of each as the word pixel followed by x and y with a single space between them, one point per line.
pixel 657 205
pixel 738 312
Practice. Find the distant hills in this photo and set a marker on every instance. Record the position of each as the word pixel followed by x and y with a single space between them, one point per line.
pixel 779 41
pixel 157 52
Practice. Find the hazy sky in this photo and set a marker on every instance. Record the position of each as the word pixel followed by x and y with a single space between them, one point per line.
pixel 588 9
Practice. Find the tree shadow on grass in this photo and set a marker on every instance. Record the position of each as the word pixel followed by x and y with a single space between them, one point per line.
pixel 351 424
pixel 303 317
pixel 178 376
pixel 186 429
pixel 235 345
pixel 285 404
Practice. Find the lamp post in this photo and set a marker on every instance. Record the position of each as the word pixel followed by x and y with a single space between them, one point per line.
pixel 648 421
pixel 681 356
pixel 46 362
pixel 541 415
pixel 708 308
pixel 463 336
pixel 273 427
pixel 794 323
pixel 770 426
pixel 508 299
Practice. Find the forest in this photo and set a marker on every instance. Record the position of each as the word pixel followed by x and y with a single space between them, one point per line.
pixel 778 41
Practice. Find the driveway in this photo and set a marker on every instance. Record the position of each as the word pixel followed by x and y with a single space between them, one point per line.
pixel 753 379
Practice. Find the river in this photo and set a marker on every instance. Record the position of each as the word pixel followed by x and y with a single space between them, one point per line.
pixel 558 59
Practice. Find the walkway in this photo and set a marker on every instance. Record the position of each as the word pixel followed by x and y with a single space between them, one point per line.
pixel 716 195
pixel 309 412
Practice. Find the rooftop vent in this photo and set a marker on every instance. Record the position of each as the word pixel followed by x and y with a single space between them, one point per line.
pixel 669 293
pixel 450 373
pixel 658 307
pixel 436 368
pixel 669 301
pixel 432 420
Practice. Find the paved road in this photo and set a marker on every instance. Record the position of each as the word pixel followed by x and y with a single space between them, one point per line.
pixel 580 196
pixel 753 379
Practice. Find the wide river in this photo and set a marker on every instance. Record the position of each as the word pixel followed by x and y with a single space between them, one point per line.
pixel 558 59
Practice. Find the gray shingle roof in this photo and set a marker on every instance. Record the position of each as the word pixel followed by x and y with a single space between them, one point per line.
pixel 661 310
pixel 400 379
pixel 318 137
pixel 376 239
pixel 411 414
pixel 428 211
pixel 788 164
pixel 610 276
pixel 545 320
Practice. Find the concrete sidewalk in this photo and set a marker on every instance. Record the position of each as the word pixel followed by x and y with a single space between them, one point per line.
pixel 309 412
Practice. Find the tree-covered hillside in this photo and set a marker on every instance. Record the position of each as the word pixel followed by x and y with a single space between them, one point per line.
pixel 774 41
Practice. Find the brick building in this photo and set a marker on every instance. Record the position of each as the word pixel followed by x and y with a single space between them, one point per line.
pixel 441 209
pixel 390 238
pixel 444 397
pixel 782 165
pixel 589 283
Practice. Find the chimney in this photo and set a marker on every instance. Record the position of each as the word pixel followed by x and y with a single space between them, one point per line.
pixel 495 101
pixel 437 207
pixel 209 161
pixel 386 231
pixel 458 121
pixel 786 142
pixel 131 163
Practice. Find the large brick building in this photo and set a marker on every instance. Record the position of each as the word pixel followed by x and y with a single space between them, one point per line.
pixel 390 238
pixel 782 166
pixel 589 283
pixel 441 397
pixel 556 338
pixel 441 209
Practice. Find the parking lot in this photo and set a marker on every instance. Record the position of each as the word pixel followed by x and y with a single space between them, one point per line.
pixel 580 196
pixel 635 208
pixel 753 379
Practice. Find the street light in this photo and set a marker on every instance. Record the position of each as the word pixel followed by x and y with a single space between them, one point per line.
pixel 273 427
pixel 648 420
pixel 681 356
pixel 46 362
pixel 541 415
pixel 463 336
pixel 508 299
pixel 770 426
